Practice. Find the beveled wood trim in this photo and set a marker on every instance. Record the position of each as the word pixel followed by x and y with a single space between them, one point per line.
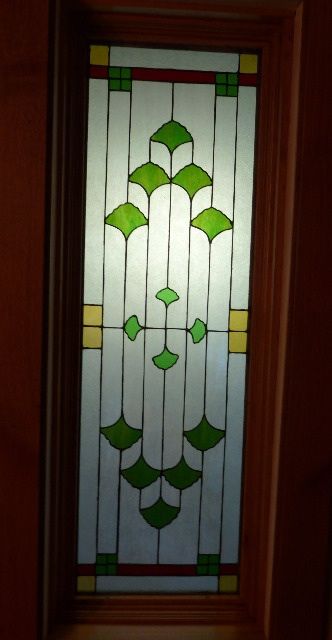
pixel 273 39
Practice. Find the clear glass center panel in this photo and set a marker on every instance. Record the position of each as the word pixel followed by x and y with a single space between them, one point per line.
pixel 170 159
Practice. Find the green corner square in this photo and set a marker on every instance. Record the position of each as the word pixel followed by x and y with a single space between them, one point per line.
pixel 111 570
pixel 114 72
pixel 112 558
pixel 126 85
pixel 214 558
pixel 203 558
pixel 101 570
pixel 232 91
pixel 101 558
pixel 213 570
pixel 232 78
pixel 115 85
pixel 221 78
pixel 125 72
pixel 202 570
pixel 221 90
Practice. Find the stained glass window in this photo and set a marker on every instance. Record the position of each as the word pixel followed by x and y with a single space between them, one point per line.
pixel 169 189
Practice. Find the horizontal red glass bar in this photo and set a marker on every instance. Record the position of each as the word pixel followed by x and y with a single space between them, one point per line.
pixel 86 570
pixel 174 75
pixel 248 79
pixel 155 569
pixel 97 71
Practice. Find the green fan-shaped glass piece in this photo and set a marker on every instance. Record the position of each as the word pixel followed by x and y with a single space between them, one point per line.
pixel 204 436
pixel 166 359
pixel 132 327
pixel 127 218
pixel 140 475
pixel 149 176
pixel 192 178
pixel 120 435
pixel 160 514
pixel 167 296
pixel 198 330
pixel 182 476
pixel 172 134
pixel 212 222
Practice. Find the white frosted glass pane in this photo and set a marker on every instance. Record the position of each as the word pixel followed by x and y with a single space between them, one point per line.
pixel 138 197
pixel 170 494
pixel 212 485
pixel 136 274
pixel 162 584
pixel 151 108
pixel 178 257
pixel 158 252
pixel 153 400
pixel 95 191
pixel 199 275
pixel 182 156
pixel 243 197
pixel 166 59
pixel 179 541
pixel 118 149
pixel 194 108
pixel 111 396
pixel 161 156
pixel 133 380
pixel 174 389
pixel 108 498
pixel 233 458
pixel 89 452
pixel 201 201
pixel 195 377
pixel 137 540
pixel 220 282
pixel 216 376
pixel 224 158
pixel 114 277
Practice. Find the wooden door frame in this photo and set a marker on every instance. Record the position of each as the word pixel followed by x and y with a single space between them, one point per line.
pixel 273 37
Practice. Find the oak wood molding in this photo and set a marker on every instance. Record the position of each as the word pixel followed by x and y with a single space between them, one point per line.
pixel 273 39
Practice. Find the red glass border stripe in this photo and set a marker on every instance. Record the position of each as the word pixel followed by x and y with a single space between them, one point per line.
pixel 86 570
pixel 156 570
pixel 248 79
pixel 174 75
pixel 98 71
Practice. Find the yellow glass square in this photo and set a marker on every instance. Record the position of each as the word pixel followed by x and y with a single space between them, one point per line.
pixel 238 320
pixel 228 584
pixel 92 314
pixel 86 584
pixel 237 342
pixel 248 63
pixel 99 55
pixel 92 337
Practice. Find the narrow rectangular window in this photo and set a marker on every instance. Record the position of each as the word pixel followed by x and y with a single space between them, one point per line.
pixel 170 160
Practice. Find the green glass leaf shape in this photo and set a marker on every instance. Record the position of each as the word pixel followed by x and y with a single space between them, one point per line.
pixel 140 475
pixel 166 359
pixel 120 435
pixel 204 436
pixel 212 222
pixel 167 296
pixel 172 134
pixel 198 330
pixel 182 476
pixel 132 327
pixel 126 218
pixel 149 176
pixel 192 178
pixel 160 514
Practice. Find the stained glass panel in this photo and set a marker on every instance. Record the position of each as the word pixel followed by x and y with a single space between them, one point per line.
pixel 170 159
